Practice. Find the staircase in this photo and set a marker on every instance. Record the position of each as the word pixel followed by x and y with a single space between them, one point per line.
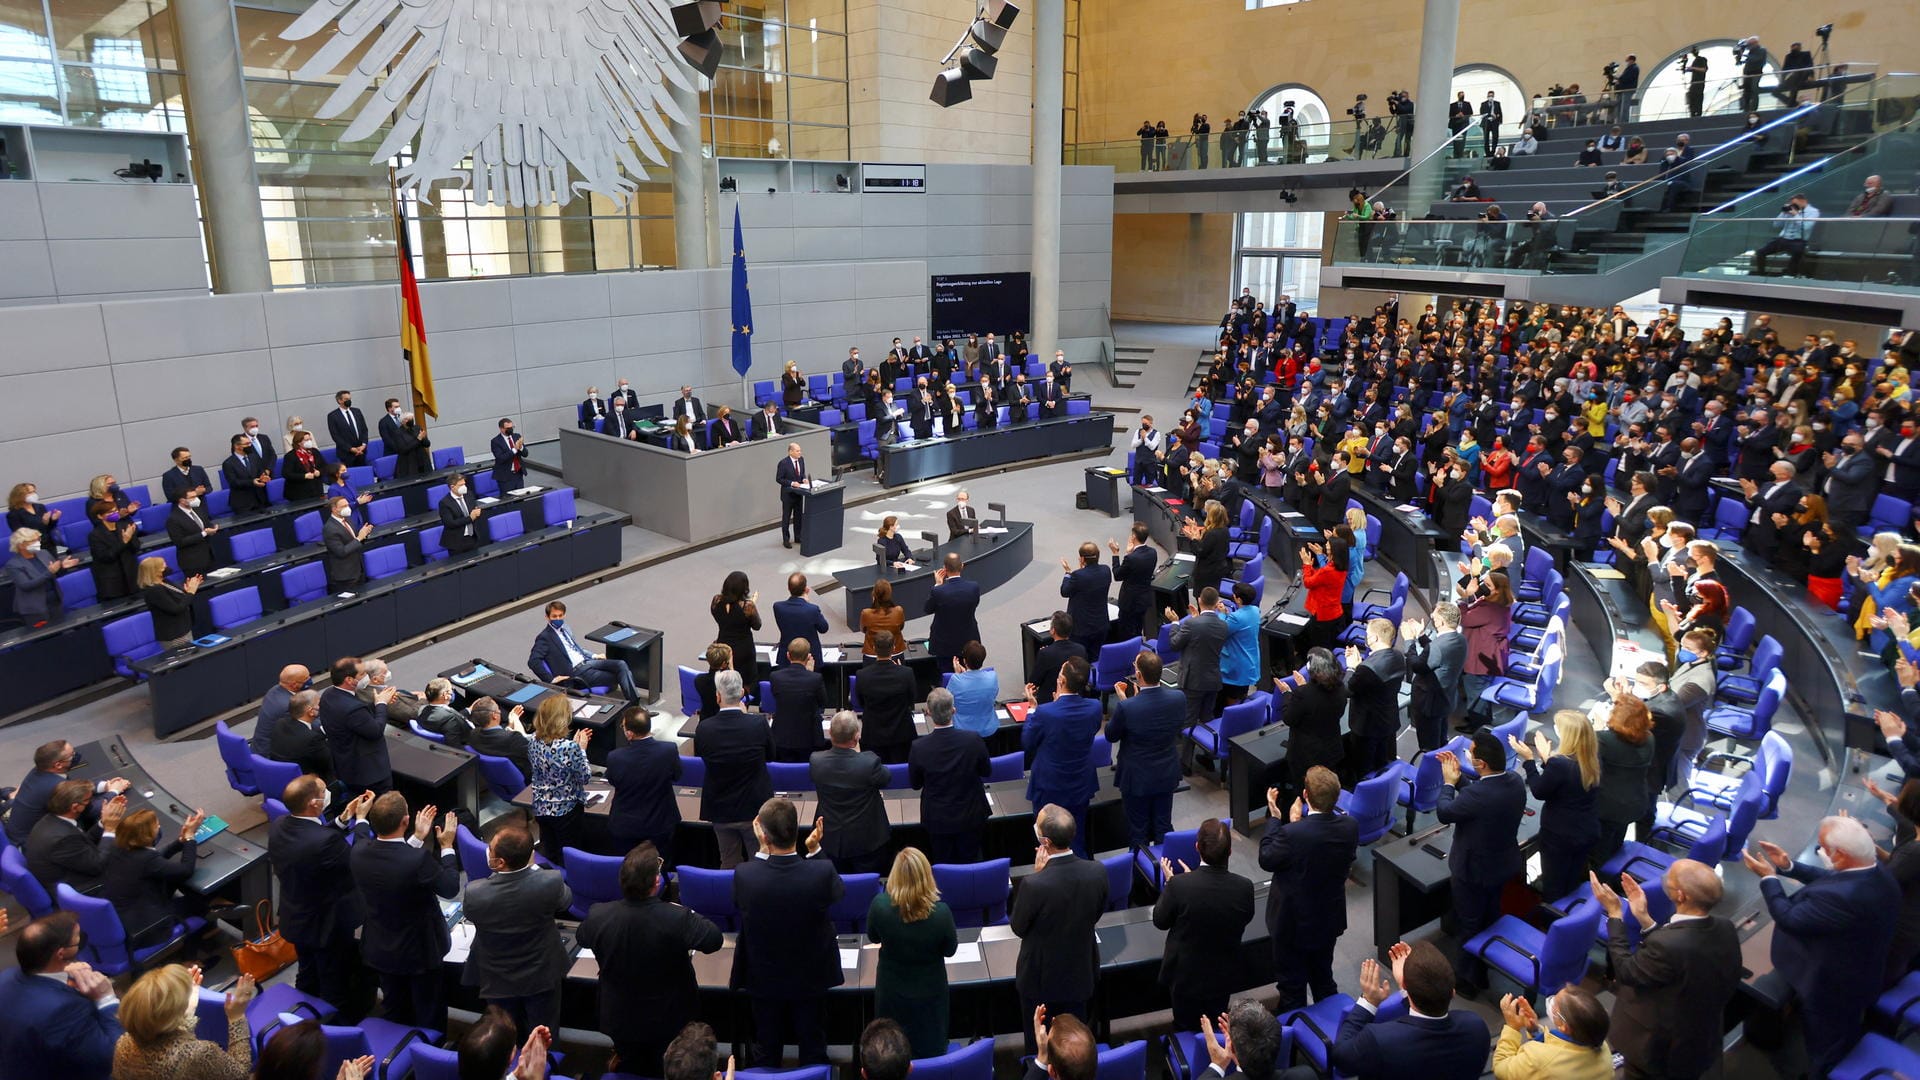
pixel 1129 363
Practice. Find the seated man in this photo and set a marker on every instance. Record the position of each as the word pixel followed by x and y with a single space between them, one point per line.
pixel 557 657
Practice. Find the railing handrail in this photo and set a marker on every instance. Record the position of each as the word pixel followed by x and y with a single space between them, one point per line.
pixel 1479 122
pixel 1906 127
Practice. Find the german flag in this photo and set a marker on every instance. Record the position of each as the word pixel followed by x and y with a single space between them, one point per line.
pixel 413 328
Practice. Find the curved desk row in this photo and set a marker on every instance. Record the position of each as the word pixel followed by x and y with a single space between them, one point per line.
pixel 192 683
pixel 913 460
pixel 991 561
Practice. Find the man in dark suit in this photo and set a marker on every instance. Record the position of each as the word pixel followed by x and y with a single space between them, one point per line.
pixel 1057 742
pixel 1334 492
pixel 646 987
pixel 185 478
pixel 1134 571
pixel 1851 483
pixel 52 761
pixel 492 736
pixel 1757 447
pixel 643 772
pixel 961 518
pixel 1692 483
pixel 1204 910
pixel 1373 689
pixel 1399 469
pixel 1085 589
pixel 1048 658
pixel 849 781
pixel 1772 507
pixel 348 429
pixel 1053 915
pixel 688 406
pixel 1840 920
pixel 785 957
pixel 1145 730
pixel 345 570
pixel 1440 1043
pixel 792 476
pixel 62 1016
pixel 953 602
pixel 509 453
pixel 766 423
pixel 799 697
pixel 736 748
pixel 356 730
pixel 887 693
pixel 458 533
pixel 1485 852
pixel 947 767
pixel 1199 639
pixel 405 936
pixel 62 849
pixel 1671 993
pixel 273 706
pixel 319 906
pixel 518 960
pixel 298 740
pixel 1453 501
pixel 245 475
pixel 623 395
pixel 400 439
pixel 1435 661
pixel 798 617
pixel 191 531
pixel 1309 851
pixel 558 657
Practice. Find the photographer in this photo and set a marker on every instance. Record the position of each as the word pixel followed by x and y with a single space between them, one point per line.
pixel 1400 105
pixel 1146 145
pixel 1795 226
pixel 1261 126
pixel 1358 110
pixel 1752 58
pixel 1201 129
pixel 1696 71
pixel 1624 84
pixel 1490 117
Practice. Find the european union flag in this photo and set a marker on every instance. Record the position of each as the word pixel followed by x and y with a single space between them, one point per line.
pixel 742 303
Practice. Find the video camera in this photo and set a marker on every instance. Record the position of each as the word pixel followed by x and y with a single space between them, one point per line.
pixel 1359 109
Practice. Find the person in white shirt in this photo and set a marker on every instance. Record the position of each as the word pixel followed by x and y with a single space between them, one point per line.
pixel 1148 443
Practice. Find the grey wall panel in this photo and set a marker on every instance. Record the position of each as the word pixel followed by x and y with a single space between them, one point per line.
pixel 558 298
pixel 61 463
pixel 831 244
pixel 465 305
pixel 825 318
pixel 20 212
pixel 960 179
pixel 668 332
pixel 1087 180
pixel 766 245
pixel 907 242
pixel 115 297
pixel 26 271
pixel 827 210
pixel 1096 237
pixel 1082 266
pixel 548 343
pixel 809 285
pixel 55 400
pixel 310 374
pixel 149 443
pixel 559 385
pixel 890 279
pixel 476 397
pixel 158 329
pixel 119 266
pixel 470 352
pixel 885 211
pixel 317 315
pixel 119 211
pixel 647 293
pixel 67 336
pixel 188 385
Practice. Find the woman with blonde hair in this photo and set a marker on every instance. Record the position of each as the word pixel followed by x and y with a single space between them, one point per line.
pixel 1211 564
pixel 1565 783
pixel 560 775
pixel 915 932
pixel 159 1014
pixel 25 511
pixel 171 605
pixel 104 494
pixel 885 615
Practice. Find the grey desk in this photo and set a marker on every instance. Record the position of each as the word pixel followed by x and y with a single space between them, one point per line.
pixel 640 648
pixel 1103 489
pixel 690 497
pixel 991 561
pixel 923 459
pixel 482 678
pixel 1412 886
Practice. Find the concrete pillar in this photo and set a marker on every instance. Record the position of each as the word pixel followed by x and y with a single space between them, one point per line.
pixel 216 98
pixel 1049 65
pixel 689 186
pixel 1439 33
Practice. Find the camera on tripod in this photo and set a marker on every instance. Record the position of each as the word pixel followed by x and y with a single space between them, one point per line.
pixel 1359 109
pixel 1824 32
pixel 1610 72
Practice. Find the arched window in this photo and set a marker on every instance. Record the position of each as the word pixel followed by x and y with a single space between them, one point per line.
pixel 1309 112
pixel 1663 88
pixel 1477 79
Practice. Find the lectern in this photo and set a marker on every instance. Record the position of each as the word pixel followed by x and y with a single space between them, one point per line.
pixel 820 518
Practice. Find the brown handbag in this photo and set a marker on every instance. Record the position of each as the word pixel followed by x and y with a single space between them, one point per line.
pixel 264 956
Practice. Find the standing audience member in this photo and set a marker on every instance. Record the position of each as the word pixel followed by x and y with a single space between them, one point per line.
pixel 1566 784
pixel 1085 588
pixel 1373 686
pixel 356 730
pixel 975 686
pixel 642 773
pixel 736 615
pixel 1204 910
pixel 1145 732
pixel 1485 853
pixel 947 767
pixel 1053 915
pixel 319 907
pixel 954 603
pixel 798 617
pixel 886 692
pixel 1309 850
pixel 560 776
pixel 1057 741
pixel 1671 992
pixel 517 960
pixel 1316 700
pixel 401 881
pixel 62 1016
pixel 1625 747
pixel 785 956
pixel 848 781
pixel 736 748
pixel 1200 638
pixel 170 605
pixel 915 932
pixel 1435 664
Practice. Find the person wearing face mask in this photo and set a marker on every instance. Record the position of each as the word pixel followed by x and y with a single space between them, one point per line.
pixel 31 570
pixel 185 477
pixel 319 907
pixel 458 518
pixel 62 1016
pixel 391 434
pixel 592 411
pixel 24 511
pixel 301 467
pixel 115 554
pixel 509 453
pixel 103 494
pixel 1568 1043
pixel 1873 201
pixel 344 545
pixel 246 473
pixel 191 531
pixel 348 429
pixel 621 422
pixel 400 433
pixel 340 486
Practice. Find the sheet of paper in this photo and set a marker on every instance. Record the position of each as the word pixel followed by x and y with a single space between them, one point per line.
pixel 1040 626
pixel 1184 557
pixel 849 958
pixel 488 500
pixel 1606 573
pixel 462 933
pixel 967 953
pixel 831 653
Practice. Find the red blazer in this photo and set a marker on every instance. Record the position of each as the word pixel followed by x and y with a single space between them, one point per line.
pixel 1324 586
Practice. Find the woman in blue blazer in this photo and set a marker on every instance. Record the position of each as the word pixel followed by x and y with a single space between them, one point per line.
pixel 340 486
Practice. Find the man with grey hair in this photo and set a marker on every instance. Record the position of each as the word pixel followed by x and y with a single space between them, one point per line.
pixel 848 781
pixel 297 738
pixel 947 766
pixel 1054 915
pixel 736 747
pixel 488 734
pixel 1252 1048
pixel 1504 530
pixel 440 715
pixel 1844 912
pixel 404 706
pixel 1672 988
pixel 1435 660
pixel 273 707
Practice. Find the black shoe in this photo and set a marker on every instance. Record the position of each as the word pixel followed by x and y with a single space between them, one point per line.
pixel 786 543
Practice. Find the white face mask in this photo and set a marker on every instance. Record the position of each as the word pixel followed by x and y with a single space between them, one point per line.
pixel 1826 860
pixel 32 550
pixel 194 502
pixel 343 513
pixel 326 800
pixel 393 412
pixel 459 492
pixel 252 431
pixel 299 427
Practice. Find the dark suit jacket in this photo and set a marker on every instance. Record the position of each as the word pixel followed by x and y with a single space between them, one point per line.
pixel 959 524
pixel 404 933
pixel 53 1030
pixel 1851 485
pixel 735 745
pixel 591 410
pixel 303 745
pixel 1822 934
pixel 1134 571
pixel 57 850
pixel 725 432
pixel 1204 913
pixel 508 467
pixel 953 606
pixel 887 693
pixel 761 427
pixel 548 658
pixel 344 569
pixel 457 532
pixel 318 902
pixel 787 473
pixel 1053 914
pixel 849 783
pixel 642 774
pixel 1085 590
pixel 496 741
pixel 1057 741
pixel 1373 687
pixel 1145 732
pixel 689 406
pixel 1671 993
pixel 1451 510
pixel 647 988
pixel 190 540
pixel 947 767
pixel 357 735
pixel 344 434
pixel 1485 814
pixel 1452 1047
pixel 116 562
pixel 786 947
pixel 1436 664
pixel 517 950
pixel 1333 500
pixel 239 471
pixel 174 484
pixel 30 805
pixel 1309 860
pixel 798 617
pixel 1200 639
pixel 799 695
pixel 1047 663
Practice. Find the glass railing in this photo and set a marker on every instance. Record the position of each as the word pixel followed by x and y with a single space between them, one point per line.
pixel 1517 246
pixel 1303 144
pixel 1877 253
pixel 1718 97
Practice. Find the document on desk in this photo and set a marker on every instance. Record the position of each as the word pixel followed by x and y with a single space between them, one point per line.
pixel 967 953
pixel 530 489
pixel 1185 556
pixel 831 654
pixel 992 530
pixel 586 708
pixel 488 500
pixel 1605 573
pixel 462 934
pixel 223 573
pixel 620 635
pixel 1040 626
pixel 849 958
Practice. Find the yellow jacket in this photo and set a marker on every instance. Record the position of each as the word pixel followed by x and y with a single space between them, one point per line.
pixel 1516 1057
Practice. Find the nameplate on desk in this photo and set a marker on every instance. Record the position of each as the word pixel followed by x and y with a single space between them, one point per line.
pixel 480 671
pixel 223 573
pixel 530 489
pixel 211 640
pixel 619 635
pixel 992 530
pixel 526 693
